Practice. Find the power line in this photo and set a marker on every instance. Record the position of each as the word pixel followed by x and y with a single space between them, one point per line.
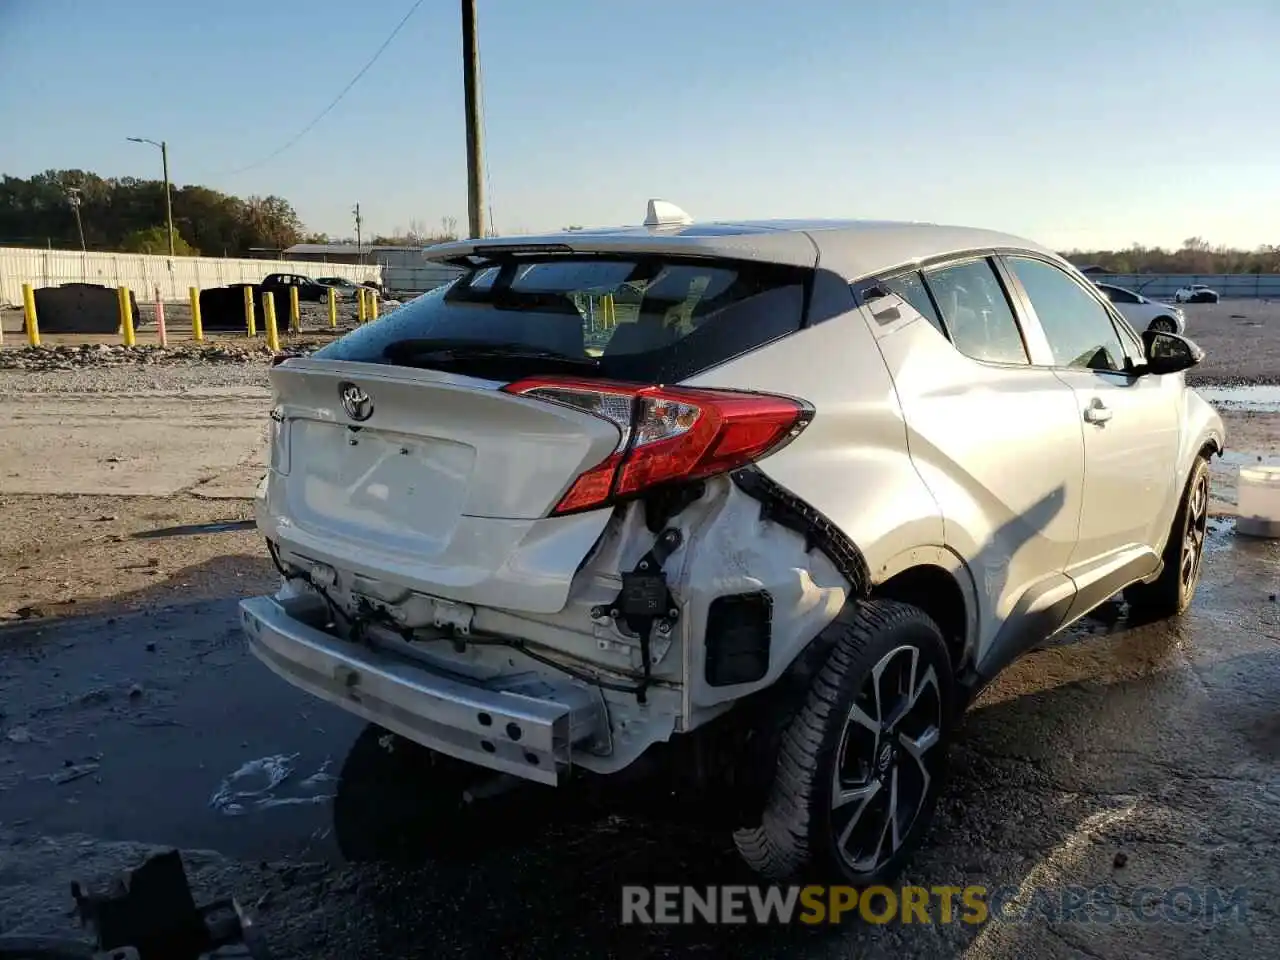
pixel 334 102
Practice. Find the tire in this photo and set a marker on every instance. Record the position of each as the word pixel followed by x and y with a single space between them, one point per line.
pixel 1163 325
pixel 1171 593
pixel 398 801
pixel 802 831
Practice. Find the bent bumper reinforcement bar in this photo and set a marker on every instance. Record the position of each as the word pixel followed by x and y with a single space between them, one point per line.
pixel 523 725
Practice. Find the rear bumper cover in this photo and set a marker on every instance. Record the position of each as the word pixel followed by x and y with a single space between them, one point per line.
pixel 525 725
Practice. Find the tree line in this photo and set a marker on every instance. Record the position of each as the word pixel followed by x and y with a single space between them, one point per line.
pixel 1195 255
pixel 127 214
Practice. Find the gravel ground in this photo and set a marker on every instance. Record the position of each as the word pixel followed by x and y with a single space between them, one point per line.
pixel 130 379
pixel 1241 341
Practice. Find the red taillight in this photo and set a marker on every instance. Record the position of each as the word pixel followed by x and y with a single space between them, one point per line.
pixel 669 434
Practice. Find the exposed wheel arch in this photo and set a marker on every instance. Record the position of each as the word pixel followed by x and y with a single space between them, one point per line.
pixel 935 591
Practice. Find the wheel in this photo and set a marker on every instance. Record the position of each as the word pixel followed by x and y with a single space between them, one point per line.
pixel 1163 325
pixel 861 764
pixel 1171 593
pixel 399 801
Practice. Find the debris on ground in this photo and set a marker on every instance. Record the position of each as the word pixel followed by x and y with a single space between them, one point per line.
pixel 65 357
pixel 74 771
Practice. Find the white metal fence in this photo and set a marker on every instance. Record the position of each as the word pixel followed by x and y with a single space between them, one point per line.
pixel 143 273
pixel 1161 286
pixel 412 281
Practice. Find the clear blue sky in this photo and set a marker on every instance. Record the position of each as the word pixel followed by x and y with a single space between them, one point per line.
pixel 1079 124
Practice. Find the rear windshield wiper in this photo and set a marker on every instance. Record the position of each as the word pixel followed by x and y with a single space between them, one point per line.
pixel 445 350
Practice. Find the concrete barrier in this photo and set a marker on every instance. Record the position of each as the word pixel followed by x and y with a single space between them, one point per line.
pixel 222 308
pixel 81 308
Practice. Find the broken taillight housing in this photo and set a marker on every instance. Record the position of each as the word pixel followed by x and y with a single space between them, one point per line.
pixel 669 434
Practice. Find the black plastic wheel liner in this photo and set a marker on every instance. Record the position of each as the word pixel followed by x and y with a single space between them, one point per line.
pixel 780 505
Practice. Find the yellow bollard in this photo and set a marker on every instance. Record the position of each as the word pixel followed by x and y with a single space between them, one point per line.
pixel 295 312
pixel 125 302
pixel 333 307
pixel 362 313
pixel 373 304
pixel 197 325
pixel 269 312
pixel 249 322
pixel 29 309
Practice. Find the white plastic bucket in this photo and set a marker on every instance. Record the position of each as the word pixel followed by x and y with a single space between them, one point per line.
pixel 1258 508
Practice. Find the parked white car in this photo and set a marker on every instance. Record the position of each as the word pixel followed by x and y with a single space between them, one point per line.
pixel 1195 293
pixel 1142 313
pixel 815 485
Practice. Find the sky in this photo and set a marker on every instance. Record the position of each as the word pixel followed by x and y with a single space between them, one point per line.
pixel 1091 124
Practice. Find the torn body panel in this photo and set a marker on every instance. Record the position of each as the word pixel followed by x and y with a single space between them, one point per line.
pixel 727 545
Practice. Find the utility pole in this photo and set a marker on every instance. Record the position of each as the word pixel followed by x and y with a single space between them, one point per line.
pixel 168 198
pixel 475 148
pixel 359 244
pixel 73 198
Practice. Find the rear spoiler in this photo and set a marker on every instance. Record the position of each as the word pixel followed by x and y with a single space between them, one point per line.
pixel 471 255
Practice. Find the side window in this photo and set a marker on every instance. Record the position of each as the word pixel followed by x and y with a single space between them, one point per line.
pixel 977 312
pixel 910 287
pixel 1078 328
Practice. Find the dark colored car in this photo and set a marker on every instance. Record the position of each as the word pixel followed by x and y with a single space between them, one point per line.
pixel 308 289
pixel 346 288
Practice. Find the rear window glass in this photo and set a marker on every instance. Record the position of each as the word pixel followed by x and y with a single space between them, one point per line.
pixel 647 319
pixel 910 287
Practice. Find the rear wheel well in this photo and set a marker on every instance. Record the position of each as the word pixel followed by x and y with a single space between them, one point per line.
pixel 935 591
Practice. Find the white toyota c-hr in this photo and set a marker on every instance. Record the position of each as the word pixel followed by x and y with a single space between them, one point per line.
pixel 768 502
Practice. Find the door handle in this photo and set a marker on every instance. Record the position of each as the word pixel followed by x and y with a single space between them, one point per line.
pixel 1097 412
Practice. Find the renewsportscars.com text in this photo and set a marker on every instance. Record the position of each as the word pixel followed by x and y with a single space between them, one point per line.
pixel 973 904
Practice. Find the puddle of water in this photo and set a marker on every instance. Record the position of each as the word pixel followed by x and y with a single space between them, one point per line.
pixel 1256 399
pixel 255 784
pixel 1247 458
pixel 1219 534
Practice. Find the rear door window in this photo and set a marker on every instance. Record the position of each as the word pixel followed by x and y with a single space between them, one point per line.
pixel 910 287
pixel 977 312
pixel 644 318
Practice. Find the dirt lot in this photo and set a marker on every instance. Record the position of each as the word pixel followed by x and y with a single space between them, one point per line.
pixel 1122 757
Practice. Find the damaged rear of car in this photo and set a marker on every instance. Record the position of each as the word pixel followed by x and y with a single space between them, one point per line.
pixel 506 526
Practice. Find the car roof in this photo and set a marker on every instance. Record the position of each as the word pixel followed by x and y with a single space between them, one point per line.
pixel 852 248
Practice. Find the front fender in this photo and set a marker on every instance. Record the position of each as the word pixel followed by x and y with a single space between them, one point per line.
pixel 1202 427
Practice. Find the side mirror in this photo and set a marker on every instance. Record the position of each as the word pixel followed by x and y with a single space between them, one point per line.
pixel 1169 352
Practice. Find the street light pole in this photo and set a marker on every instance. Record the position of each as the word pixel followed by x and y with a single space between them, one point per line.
pixel 73 198
pixel 168 198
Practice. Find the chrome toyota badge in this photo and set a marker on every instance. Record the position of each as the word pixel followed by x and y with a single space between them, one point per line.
pixel 355 401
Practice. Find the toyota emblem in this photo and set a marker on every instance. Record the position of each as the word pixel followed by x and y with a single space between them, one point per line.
pixel 355 401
